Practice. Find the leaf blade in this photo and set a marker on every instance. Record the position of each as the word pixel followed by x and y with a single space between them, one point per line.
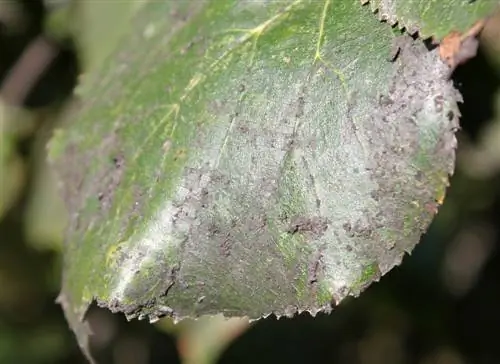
pixel 252 164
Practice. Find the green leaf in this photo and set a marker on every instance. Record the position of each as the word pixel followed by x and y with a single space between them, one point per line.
pixel 14 123
pixel 433 18
pixel 96 25
pixel 44 231
pixel 245 158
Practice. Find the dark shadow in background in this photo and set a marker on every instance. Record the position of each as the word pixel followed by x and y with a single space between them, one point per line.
pixel 136 339
pixel 478 82
pixel 58 80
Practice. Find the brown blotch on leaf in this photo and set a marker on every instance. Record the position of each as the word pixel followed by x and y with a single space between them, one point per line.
pixel 456 48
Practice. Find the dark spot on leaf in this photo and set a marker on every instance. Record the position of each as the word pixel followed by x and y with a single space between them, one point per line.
pixel 384 100
pixel 213 229
pixel 394 53
pixel 190 44
pixel 313 270
pixel 300 107
pixel 118 161
pixel 243 128
pixel 111 180
pixel 180 154
pixel 450 115
pixel 314 225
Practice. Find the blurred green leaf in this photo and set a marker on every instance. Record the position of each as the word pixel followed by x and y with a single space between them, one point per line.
pixel 14 123
pixel 97 26
pixel 203 340
pixel 246 158
pixel 43 345
pixel 45 213
pixel 12 177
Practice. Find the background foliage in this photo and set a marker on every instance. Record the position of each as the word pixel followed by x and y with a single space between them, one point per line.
pixel 439 306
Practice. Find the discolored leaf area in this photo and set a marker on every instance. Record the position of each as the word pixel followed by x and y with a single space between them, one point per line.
pixel 249 158
pixel 433 18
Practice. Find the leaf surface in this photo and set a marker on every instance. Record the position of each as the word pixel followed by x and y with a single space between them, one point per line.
pixel 247 158
pixel 433 18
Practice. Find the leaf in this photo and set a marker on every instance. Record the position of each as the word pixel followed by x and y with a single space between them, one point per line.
pixel 14 123
pixel 44 231
pixel 246 158
pixel 203 341
pixel 89 23
pixel 433 18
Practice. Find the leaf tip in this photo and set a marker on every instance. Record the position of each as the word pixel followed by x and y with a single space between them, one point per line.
pixel 78 324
